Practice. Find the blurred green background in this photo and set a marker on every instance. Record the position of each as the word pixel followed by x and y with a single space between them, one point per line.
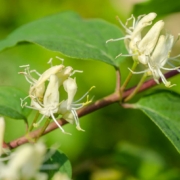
pixel 118 144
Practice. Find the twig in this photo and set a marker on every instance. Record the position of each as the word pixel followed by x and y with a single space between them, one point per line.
pixel 88 109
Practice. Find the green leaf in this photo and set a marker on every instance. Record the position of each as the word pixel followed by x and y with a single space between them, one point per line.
pixel 163 108
pixel 10 104
pixel 60 160
pixel 161 7
pixel 72 36
pixel 142 159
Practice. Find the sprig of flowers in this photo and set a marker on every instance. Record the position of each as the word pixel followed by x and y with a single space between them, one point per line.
pixel 46 99
pixel 152 50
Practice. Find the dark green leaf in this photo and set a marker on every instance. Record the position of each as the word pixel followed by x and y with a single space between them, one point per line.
pixel 10 104
pixel 72 36
pixel 161 7
pixel 163 108
pixel 61 163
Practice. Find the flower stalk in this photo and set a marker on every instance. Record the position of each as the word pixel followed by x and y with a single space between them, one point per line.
pixel 137 88
pixel 135 63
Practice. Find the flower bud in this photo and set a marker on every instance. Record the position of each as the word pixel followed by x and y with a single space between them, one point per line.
pixel 70 87
pixel 145 21
pixel 52 91
pixel 147 44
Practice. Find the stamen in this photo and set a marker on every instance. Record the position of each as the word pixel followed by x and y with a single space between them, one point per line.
pixel 171 58
pixel 76 120
pixel 84 95
pixel 173 66
pixel 127 30
pixel 125 55
pixel 22 100
pixel 167 83
pixel 50 62
pixel 37 124
pixel 61 59
pixel 118 39
pixel 140 72
pixel 169 69
pixel 54 119
pixel 76 71
pixel 132 17
pixel 139 18
pixel 35 72
pixel 24 66
pixel 28 80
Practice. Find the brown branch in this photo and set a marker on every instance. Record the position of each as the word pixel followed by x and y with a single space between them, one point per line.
pixel 88 109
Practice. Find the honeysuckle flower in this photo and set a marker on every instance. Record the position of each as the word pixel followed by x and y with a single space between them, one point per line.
pixel 134 36
pixel 68 107
pixel 147 44
pixel 45 95
pixel 159 58
pixel 37 88
pixel 25 163
pixel 134 32
pixel 70 114
pixel 50 104
pixel 70 87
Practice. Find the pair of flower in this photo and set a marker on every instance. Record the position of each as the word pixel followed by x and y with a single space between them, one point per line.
pixel 46 99
pixel 152 50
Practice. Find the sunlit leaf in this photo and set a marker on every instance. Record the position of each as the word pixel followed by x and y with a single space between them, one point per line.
pixel 10 104
pixel 163 108
pixel 161 7
pixel 71 35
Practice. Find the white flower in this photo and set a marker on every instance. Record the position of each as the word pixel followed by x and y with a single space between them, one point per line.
pixel 46 98
pixel 147 44
pixel 70 87
pixel 50 104
pixel 134 36
pixel 68 107
pixel 25 163
pixel 37 87
pixel 134 32
pixel 159 58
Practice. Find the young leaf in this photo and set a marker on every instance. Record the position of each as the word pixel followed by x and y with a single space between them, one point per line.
pixel 72 36
pixel 161 7
pixel 63 164
pixel 163 108
pixel 10 104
